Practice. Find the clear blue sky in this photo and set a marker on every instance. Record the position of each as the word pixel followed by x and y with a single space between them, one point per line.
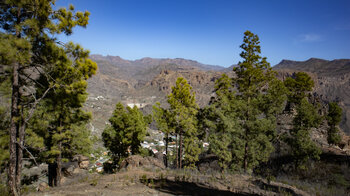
pixel 210 31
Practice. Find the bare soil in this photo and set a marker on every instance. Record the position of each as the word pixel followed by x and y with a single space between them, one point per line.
pixel 167 182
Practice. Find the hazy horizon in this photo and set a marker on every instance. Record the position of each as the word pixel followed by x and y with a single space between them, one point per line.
pixel 211 32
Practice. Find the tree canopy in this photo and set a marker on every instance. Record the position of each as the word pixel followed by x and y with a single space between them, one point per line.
pixel 333 118
pixel 242 115
pixel 298 86
pixel 29 44
pixel 126 132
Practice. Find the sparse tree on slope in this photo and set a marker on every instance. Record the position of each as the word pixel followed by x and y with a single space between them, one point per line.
pixel 221 120
pixel 303 148
pixel 298 86
pixel 127 131
pixel 183 110
pixel 164 124
pixel 333 119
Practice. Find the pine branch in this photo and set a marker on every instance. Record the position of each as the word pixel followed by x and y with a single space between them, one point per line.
pixel 36 102
pixel 32 157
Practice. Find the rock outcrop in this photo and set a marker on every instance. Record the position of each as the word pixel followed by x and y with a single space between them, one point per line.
pixel 137 161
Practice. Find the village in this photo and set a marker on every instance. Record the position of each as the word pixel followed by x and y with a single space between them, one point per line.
pixel 154 143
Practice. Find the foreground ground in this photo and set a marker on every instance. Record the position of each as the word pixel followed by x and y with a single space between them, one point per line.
pixel 168 182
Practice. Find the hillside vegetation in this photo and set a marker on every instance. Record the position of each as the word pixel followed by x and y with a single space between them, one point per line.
pixel 165 126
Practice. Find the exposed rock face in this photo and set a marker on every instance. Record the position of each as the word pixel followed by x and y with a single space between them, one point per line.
pixel 137 161
pixel 143 81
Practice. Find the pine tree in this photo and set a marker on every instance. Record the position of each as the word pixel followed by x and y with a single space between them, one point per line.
pixel 183 110
pixel 28 27
pixel 114 136
pixel 126 132
pixel 62 107
pixel 138 129
pixel 221 121
pixel 298 85
pixel 303 148
pixel 257 85
pixel 333 119
pixel 164 123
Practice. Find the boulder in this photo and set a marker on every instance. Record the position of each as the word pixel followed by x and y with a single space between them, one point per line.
pixel 80 158
pixel 84 164
pixel 208 162
pixel 137 161
pixel 43 186
pixel 83 161
pixel 155 162
pixel 68 168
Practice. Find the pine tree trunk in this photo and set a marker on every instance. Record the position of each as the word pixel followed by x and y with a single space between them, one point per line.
pixel 20 146
pixel 55 173
pixel 13 131
pixel 180 151
pixel 166 149
pixel 177 153
pixel 59 167
pixel 59 157
pixel 52 174
pixel 245 166
pixel 14 122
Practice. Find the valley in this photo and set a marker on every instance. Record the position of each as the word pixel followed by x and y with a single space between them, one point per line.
pixel 146 81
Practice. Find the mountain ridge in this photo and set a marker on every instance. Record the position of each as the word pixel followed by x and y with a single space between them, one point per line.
pixel 148 61
pixel 148 80
pixel 331 77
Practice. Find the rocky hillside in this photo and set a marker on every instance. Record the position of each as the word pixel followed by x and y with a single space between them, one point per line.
pixel 332 81
pixel 145 81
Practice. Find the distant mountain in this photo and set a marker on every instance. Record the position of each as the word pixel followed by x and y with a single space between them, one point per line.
pixel 151 62
pixel 148 80
pixel 332 81
pixel 230 68
pixel 320 67
pixel 144 81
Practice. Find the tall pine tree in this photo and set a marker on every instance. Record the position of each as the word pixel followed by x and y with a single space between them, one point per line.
pixel 62 106
pixel 27 27
pixel 258 103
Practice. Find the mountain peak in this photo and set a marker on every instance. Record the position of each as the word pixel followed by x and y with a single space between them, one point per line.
pixel 316 60
pixel 286 62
